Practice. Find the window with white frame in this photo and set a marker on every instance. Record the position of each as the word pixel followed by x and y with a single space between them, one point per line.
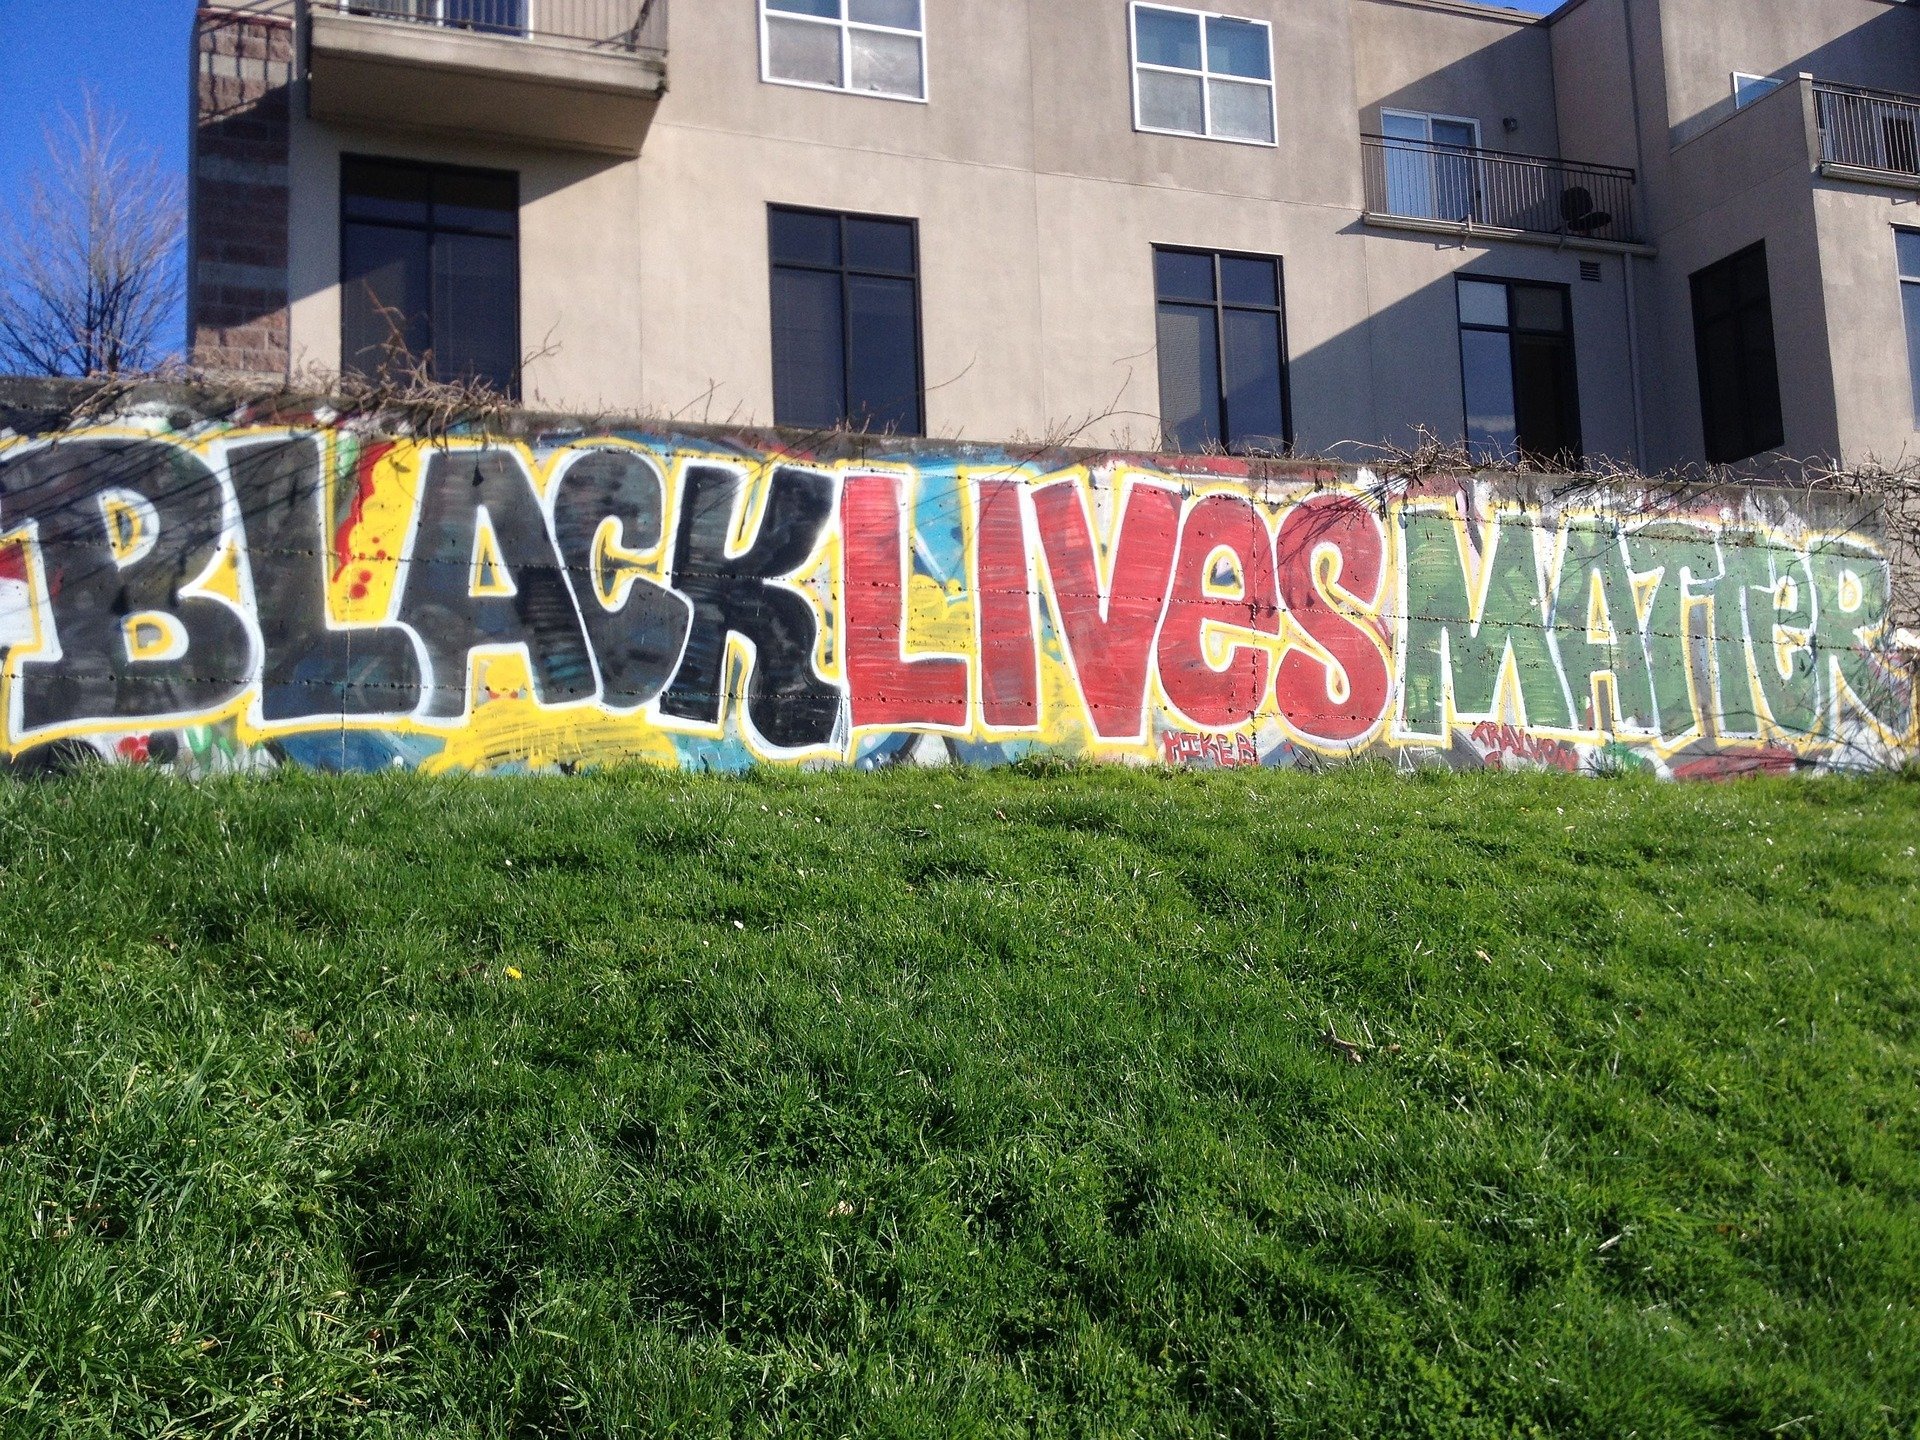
pixel 1432 163
pixel 870 47
pixel 1198 73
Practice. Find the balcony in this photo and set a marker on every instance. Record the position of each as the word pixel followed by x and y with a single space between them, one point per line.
pixel 574 74
pixel 1491 194
pixel 1868 135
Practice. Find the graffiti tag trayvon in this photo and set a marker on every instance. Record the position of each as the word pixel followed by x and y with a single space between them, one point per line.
pixel 314 596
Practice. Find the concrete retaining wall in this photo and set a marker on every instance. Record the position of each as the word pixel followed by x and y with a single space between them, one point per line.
pixel 257 589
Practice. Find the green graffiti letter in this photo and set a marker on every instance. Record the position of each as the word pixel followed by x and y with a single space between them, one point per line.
pixel 1687 558
pixel 1778 588
pixel 1853 590
pixel 1597 629
pixel 1452 647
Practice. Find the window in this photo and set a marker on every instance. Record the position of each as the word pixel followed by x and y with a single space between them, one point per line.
pixel 1907 243
pixel 430 270
pixel 1733 340
pixel 1223 348
pixel 1201 74
pixel 872 47
pixel 1516 363
pixel 1749 88
pixel 1433 167
pixel 846 321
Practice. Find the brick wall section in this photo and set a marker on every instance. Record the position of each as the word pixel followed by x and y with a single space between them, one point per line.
pixel 243 74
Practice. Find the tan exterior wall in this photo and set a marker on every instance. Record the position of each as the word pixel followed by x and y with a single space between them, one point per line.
pixel 1742 182
pixel 1490 67
pixel 644 282
pixel 1038 206
pixel 580 258
pixel 1862 42
pixel 1649 83
pixel 1415 352
pixel 1865 327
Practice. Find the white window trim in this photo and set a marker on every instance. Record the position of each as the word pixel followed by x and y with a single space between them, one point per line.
pixel 844 26
pixel 1430 116
pixel 1477 159
pixel 1767 83
pixel 1204 74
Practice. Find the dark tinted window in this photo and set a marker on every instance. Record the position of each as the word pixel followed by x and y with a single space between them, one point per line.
pixel 1518 375
pixel 1222 345
pixel 802 237
pixel 386 296
pixel 880 246
pixel 401 194
pixel 1249 282
pixel 476 200
pixel 1183 275
pixel 1739 374
pixel 429 271
pixel 846 321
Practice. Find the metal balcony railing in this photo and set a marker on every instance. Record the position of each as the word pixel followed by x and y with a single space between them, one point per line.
pixel 1495 190
pixel 635 26
pixel 1868 129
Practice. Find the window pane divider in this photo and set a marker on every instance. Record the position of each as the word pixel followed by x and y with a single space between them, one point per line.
pixel 846 29
pixel 1205 74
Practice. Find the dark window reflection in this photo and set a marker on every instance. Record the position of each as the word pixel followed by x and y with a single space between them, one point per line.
pixel 846 321
pixel 430 272
pixel 1222 344
pixel 1518 373
pixel 1739 373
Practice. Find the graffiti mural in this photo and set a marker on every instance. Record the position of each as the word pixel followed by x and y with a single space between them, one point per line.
pixel 239 596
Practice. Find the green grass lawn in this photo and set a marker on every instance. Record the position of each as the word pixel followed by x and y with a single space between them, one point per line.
pixel 953 1104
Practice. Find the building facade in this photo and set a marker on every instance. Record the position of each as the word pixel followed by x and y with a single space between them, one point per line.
pixel 1658 231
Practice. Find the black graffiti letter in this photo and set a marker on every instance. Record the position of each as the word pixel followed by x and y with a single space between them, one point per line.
pixel 123 526
pixel 309 670
pixel 788 702
pixel 483 572
pixel 637 629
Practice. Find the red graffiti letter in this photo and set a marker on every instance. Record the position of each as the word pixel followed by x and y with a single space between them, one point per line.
pixel 885 687
pixel 1003 589
pixel 1109 631
pixel 1310 693
pixel 1224 698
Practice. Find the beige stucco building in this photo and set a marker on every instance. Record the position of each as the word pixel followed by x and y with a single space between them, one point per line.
pixel 1661 231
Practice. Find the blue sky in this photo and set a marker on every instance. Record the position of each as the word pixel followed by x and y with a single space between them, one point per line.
pixel 133 54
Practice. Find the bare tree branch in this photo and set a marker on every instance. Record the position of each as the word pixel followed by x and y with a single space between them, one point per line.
pixel 90 264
